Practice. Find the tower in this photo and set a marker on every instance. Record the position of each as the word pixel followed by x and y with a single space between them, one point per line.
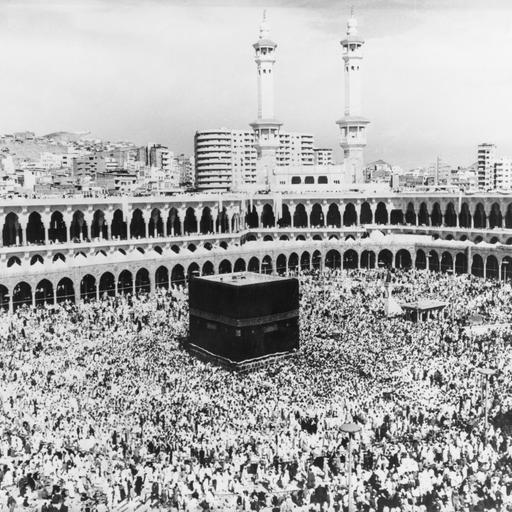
pixel 266 127
pixel 353 125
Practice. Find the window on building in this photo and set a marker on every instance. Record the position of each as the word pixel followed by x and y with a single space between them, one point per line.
pixel 309 180
pixel 322 180
pixel 296 180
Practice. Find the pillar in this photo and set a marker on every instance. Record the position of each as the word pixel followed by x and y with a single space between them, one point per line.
pixel 97 289
pixel 454 266
pixel 259 212
pixel 215 219
pixel 341 208
pixel 373 208
pixel 358 213
pixel 54 294
pixel 24 227
pixel 325 211
pixel 308 209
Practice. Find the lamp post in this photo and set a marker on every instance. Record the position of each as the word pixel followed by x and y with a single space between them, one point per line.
pixel 350 429
pixel 487 373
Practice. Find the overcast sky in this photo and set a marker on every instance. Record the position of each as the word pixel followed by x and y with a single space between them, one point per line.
pixel 437 73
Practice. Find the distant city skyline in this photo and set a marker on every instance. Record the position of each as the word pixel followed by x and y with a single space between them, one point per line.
pixel 436 79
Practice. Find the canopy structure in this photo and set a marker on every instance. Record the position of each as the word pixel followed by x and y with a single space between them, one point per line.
pixel 422 310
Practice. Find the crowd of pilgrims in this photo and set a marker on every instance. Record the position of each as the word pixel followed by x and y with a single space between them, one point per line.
pixel 102 410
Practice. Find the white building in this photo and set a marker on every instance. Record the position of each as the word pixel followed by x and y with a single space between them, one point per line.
pixel 486 160
pixel 503 174
pixel 323 156
pixel 224 159
pixel 295 149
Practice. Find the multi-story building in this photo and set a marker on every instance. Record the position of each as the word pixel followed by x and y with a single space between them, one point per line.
pixel 323 156
pixel 224 159
pixel 503 174
pixel 486 161
pixel 295 149
pixel 377 171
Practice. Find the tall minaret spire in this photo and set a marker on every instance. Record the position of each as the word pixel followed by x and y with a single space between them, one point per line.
pixel 266 127
pixel 353 125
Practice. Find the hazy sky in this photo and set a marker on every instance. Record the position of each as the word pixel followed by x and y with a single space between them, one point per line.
pixel 437 74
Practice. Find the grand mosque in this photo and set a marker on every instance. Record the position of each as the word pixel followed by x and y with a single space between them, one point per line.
pixel 81 248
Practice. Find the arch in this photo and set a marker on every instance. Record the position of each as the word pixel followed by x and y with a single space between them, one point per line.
pixel 65 290
pixel 206 221
pixel 137 224
pixel 78 228
pixel 173 223
pixel 107 284
pixel 421 259
pixel 381 214
pixel 162 277
pixel 125 283
pixel 266 265
pixel 465 217
pixel 506 268
pixel 366 214
pixel 478 239
pixel 158 249
pixel 305 261
pixel 477 266
pixel 142 281
pixel 508 217
pixel 88 287
pixel 433 260
pixel 254 265
pixel 385 259
pixel 423 217
pixel 317 216
pixel 293 262
pixel 58 257
pixel 436 217
pixel 281 266
pixel 410 214
pixel 316 260
pixel 178 275
pixel 350 259
pixel 368 259
pixel 300 217
pixel 12 234
pixel 333 216
pixel 446 262
pixel 268 238
pixel 479 218
pixel 222 221
pixel 4 297
pixel 208 269
pixel 99 225
pixel 396 216
pixel 119 228
pixel 450 215
pixel 224 245
pixel 156 224
pixel 349 215
pixel 235 222
pixel 239 265
pixel 192 271
pixel 21 295
pixel 190 221
pixel 492 267
pixel 495 216
pixel 37 258
pixel 250 238
pixel 57 231
pixel 461 263
pixel 333 259
pixel 284 237
pixel 301 238
pixel 43 293
pixel 251 218
pixel 268 219
pixel 35 229
pixel 403 259
pixel 225 267
pixel 286 220
pixel 319 238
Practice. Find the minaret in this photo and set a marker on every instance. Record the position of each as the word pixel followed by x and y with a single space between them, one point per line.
pixel 353 125
pixel 266 127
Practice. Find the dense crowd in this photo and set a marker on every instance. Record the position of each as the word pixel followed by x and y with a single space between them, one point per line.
pixel 102 410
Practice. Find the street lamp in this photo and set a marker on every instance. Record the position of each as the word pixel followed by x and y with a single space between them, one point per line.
pixel 350 429
pixel 487 373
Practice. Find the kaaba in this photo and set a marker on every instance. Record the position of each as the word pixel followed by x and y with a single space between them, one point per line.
pixel 241 317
